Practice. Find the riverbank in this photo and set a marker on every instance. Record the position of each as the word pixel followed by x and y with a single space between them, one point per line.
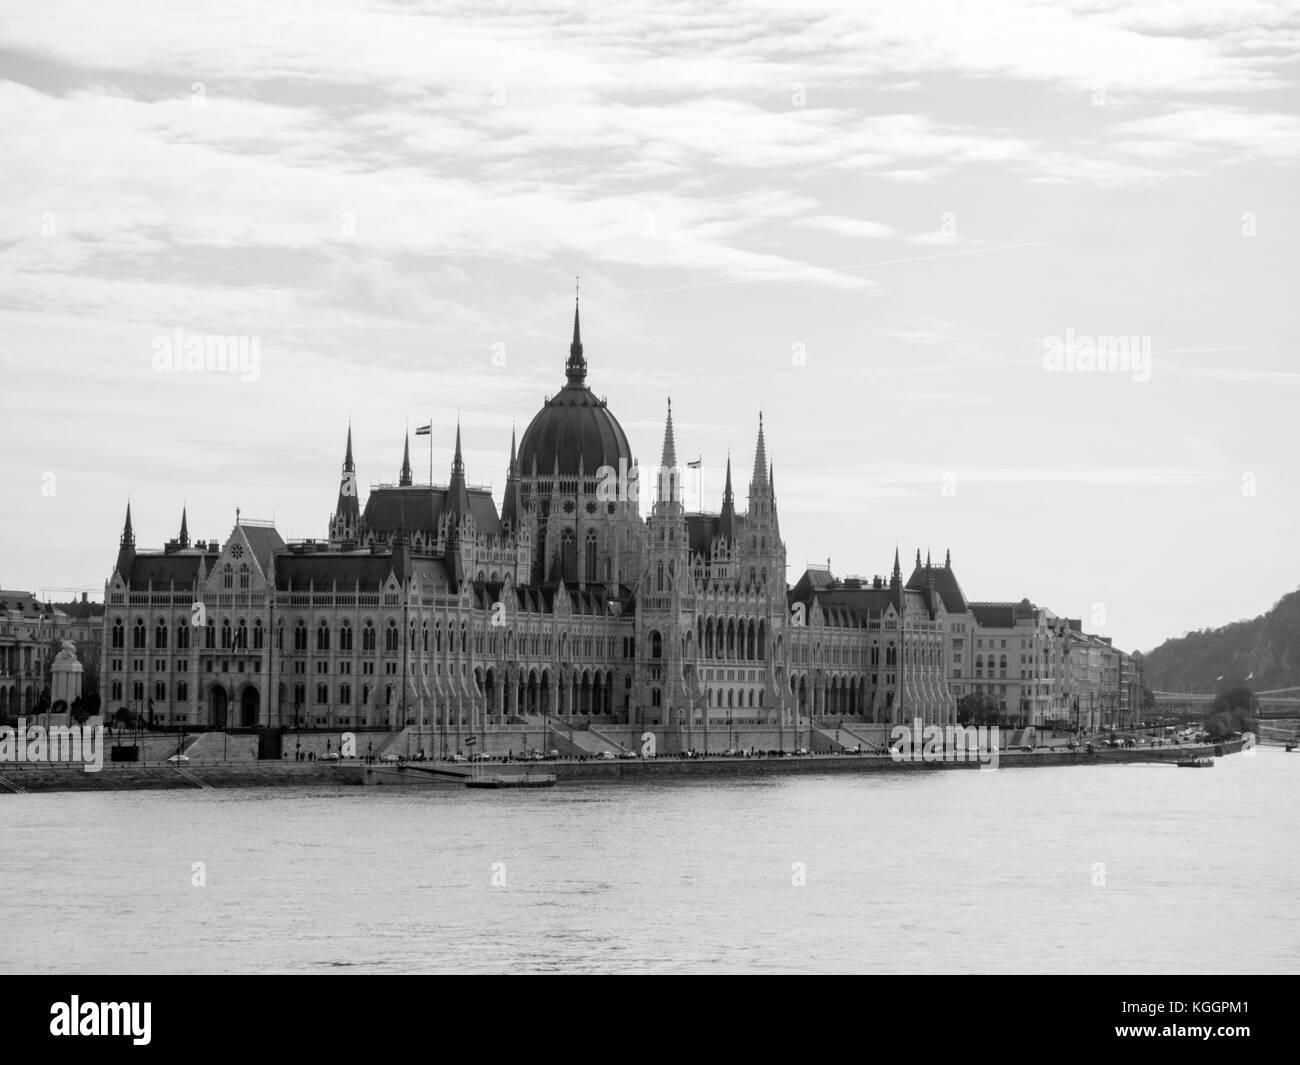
pixel 15 780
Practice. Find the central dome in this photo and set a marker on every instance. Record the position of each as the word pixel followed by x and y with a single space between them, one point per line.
pixel 573 427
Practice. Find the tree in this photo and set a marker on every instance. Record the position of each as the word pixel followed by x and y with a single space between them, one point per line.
pixel 977 708
pixel 1233 710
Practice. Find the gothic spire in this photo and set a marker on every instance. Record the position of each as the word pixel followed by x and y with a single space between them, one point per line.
pixel 758 482
pixel 457 492
pixel 184 537
pixel 512 506
pixel 128 534
pixel 669 459
pixel 576 367
pixel 727 520
pixel 405 480
pixel 348 464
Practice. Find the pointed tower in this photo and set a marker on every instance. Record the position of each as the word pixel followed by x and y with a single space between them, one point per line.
pixel 669 487
pixel 126 548
pixel 664 681
pixel 727 519
pixel 405 480
pixel 576 367
pixel 460 540
pixel 512 506
pixel 346 521
pixel 759 494
pixel 184 538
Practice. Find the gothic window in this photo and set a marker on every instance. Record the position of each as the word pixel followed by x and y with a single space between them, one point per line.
pixel 225 634
pixel 259 635
pixel 210 637
pixel 590 563
pixel 656 645
pixel 138 634
pixel 299 636
pixel 323 636
pixel 660 582
pixel 119 634
pixel 368 636
pixel 243 575
pixel 568 556
pixel 241 634
pixel 390 637
pixel 322 693
pixel 160 636
pixel 345 694
pixel 227 576
pixel 424 637
pixel 345 636
pixel 182 636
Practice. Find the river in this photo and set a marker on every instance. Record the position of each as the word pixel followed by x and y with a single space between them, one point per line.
pixel 1149 869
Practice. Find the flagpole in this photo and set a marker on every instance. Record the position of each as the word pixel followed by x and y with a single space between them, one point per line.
pixel 430 450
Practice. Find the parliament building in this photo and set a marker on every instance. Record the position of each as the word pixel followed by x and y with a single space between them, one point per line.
pixel 591 597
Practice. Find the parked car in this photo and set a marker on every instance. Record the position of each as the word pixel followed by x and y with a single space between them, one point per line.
pixel 459 758
pixel 607 754
pixel 330 756
pixel 1026 747
pixel 390 757
pixel 178 758
pixel 628 754
pixel 801 751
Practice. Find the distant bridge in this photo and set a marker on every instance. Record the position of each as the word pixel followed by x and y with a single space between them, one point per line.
pixel 1277 702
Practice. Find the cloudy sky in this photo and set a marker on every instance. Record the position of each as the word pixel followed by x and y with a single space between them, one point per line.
pixel 870 221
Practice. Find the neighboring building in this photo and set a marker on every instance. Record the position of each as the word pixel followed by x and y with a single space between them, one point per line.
pixel 28 629
pixel 30 634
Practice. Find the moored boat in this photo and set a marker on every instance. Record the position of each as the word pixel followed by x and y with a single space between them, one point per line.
pixel 1196 761
pixel 513 780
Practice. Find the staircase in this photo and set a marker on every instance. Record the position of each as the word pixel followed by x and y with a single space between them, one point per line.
pixel 9 785
pixel 580 743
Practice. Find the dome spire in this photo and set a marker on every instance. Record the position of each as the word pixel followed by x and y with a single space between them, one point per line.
pixel 576 367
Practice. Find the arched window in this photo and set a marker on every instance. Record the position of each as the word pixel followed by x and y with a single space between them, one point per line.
pixel 227 576
pixel 345 693
pixel 660 582
pixel 119 633
pixel 345 636
pixel 160 635
pixel 138 634
pixel 182 635
pixel 241 634
pixel 300 636
pixel 590 563
pixel 390 636
pixel 259 635
pixel 368 636
pixel 225 634
pixel 656 645
pixel 568 556
pixel 210 637
pixel 243 575
pixel 323 636
pixel 424 637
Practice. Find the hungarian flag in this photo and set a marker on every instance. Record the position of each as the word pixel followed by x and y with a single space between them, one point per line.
pixel 696 464
pixel 424 430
